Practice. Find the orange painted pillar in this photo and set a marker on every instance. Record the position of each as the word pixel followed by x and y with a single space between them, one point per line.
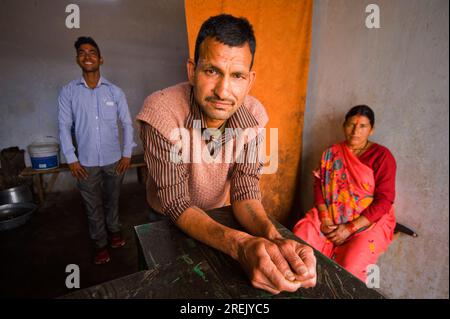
pixel 283 40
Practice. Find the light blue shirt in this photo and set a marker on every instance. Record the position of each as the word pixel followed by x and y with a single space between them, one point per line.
pixel 94 113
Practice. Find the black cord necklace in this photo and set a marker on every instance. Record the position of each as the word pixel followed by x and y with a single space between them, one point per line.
pixel 358 151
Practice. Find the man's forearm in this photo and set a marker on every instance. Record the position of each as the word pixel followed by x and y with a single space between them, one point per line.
pixel 65 137
pixel 197 224
pixel 253 217
pixel 128 142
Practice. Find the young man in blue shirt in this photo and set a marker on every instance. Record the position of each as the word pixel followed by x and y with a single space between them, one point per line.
pixel 92 106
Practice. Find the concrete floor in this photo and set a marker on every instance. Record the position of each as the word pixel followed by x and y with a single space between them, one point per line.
pixel 33 257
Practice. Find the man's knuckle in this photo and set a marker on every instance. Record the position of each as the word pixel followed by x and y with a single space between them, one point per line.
pixel 254 275
pixel 259 264
pixel 308 249
pixel 285 246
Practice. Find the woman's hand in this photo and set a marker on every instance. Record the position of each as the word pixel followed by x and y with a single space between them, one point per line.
pixel 327 226
pixel 326 222
pixel 339 235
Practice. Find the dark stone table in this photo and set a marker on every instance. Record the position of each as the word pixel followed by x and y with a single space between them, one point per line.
pixel 174 265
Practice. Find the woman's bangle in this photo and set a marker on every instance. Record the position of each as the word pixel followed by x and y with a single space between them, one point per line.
pixel 327 221
pixel 324 215
pixel 351 227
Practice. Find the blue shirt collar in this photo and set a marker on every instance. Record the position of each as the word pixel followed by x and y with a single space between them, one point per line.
pixel 101 81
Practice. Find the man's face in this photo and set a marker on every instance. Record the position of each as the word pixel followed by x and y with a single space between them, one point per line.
pixel 88 58
pixel 221 79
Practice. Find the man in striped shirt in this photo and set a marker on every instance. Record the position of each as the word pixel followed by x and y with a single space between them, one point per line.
pixel 189 132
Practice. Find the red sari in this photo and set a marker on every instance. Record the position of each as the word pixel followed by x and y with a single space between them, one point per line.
pixel 347 187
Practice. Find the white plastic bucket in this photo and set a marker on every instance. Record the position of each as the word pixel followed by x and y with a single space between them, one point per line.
pixel 44 153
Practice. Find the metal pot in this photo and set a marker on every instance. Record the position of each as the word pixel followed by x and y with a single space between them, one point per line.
pixel 18 194
pixel 15 215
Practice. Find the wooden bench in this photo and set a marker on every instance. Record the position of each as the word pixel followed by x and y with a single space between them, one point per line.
pixel 137 161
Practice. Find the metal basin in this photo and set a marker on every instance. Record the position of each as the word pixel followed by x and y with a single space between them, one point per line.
pixel 18 194
pixel 15 215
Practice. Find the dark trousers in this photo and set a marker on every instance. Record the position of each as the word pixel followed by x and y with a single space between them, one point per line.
pixel 100 193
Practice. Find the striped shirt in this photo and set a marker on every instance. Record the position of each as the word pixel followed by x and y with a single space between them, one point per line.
pixel 173 179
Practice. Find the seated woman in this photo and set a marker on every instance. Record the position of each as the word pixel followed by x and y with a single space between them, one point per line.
pixel 353 219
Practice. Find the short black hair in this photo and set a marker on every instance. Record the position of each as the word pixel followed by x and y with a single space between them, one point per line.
pixel 86 40
pixel 362 110
pixel 229 30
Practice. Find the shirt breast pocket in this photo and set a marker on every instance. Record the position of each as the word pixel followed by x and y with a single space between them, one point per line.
pixel 109 110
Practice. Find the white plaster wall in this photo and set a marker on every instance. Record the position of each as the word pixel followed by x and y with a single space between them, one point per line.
pixel 401 71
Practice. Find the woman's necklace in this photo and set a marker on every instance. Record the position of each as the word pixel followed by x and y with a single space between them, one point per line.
pixel 358 151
